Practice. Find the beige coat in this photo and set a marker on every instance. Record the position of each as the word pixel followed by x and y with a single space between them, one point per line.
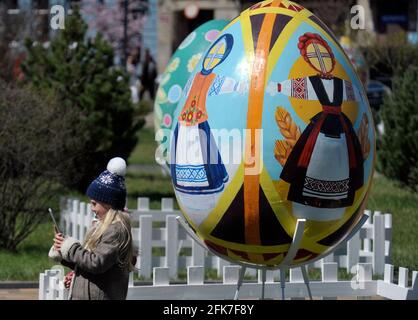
pixel 97 274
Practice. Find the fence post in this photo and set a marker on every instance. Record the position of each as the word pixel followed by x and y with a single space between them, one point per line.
pixel 42 286
pixel 353 251
pixel 143 204
pixel 131 279
pixel 67 216
pixel 167 204
pixel 195 275
pixel 82 221
pixel 89 216
pixel 145 245
pixel 221 265
pixel 329 272
pixel 364 272
pixel 388 277
pixel 378 243
pixel 198 254
pixel 367 246
pixel 231 274
pixel 296 275
pixel 74 218
pixel 50 276
pixel 269 275
pixel 403 277
pixel 161 276
pixel 388 238
pixel 415 280
pixel 171 243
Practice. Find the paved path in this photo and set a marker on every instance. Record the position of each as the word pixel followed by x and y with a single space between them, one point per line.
pixel 18 294
pixel 32 294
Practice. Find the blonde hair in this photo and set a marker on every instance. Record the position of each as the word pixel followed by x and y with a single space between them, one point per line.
pixel 123 241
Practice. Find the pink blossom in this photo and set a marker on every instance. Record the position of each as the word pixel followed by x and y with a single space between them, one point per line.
pixel 108 19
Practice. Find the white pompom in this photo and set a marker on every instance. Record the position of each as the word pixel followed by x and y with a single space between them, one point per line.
pixel 117 166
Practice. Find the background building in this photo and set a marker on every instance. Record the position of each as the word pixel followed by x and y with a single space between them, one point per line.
pixel 167 24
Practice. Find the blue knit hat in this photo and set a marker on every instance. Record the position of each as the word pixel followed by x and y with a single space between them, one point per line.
pixel 109 186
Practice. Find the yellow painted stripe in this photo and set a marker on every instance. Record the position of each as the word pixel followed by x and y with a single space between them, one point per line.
pixel 274 10
pixel 249 248
pixel 234 186
pixel 286 219
pixel 207 226
pixel 254 119
pixel 283 39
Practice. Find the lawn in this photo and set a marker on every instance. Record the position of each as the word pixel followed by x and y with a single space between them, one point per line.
pixel 403 205
pixel 148 181
pixel 144 153
pixel 31 258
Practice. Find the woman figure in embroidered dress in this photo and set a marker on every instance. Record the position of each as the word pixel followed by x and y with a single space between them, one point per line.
pixel 196 165
pixel 325 167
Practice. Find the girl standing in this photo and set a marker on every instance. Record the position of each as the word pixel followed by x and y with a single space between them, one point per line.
pixel 103 263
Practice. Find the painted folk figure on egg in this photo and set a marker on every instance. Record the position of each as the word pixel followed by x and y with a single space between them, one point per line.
pixel 277 75
pixel 199 176
pixel 325 167
pixel 174 79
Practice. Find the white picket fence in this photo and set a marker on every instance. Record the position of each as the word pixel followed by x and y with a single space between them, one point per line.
pixel 367 253
pixel 160 229
pixel 361 286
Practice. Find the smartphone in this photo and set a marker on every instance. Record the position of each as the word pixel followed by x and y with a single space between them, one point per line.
pixel 57 229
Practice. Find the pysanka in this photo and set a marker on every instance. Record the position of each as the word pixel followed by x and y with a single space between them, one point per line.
pixel 272 126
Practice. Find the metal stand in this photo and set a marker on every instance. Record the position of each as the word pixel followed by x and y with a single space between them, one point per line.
pixel 283 280
pixel 263 282
pixel 287 261
pixel 241 278
pixel 291 253
pixel 306 280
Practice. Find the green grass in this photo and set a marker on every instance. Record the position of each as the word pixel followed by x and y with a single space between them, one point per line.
pixel 154 186
pixel 403 205
pixel 31 258
pixel 144 152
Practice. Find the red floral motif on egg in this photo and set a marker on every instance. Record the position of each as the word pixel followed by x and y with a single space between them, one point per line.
pixel 199 114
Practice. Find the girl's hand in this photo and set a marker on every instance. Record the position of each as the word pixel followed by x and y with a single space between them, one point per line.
pixel 58 240
pixel 68 278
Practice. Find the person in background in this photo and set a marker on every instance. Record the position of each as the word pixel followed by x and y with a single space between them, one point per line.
pixel 148 76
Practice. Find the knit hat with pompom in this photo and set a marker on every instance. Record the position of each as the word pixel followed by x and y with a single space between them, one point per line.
pixel 109 186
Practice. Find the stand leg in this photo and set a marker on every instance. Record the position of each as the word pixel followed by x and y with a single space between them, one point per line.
pixel 241 278
pixel 263 282
pixel 283 280
pixel 306 280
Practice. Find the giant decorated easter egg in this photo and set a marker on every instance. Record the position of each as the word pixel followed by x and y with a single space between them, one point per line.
pixel 176 74
pixel 274 126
